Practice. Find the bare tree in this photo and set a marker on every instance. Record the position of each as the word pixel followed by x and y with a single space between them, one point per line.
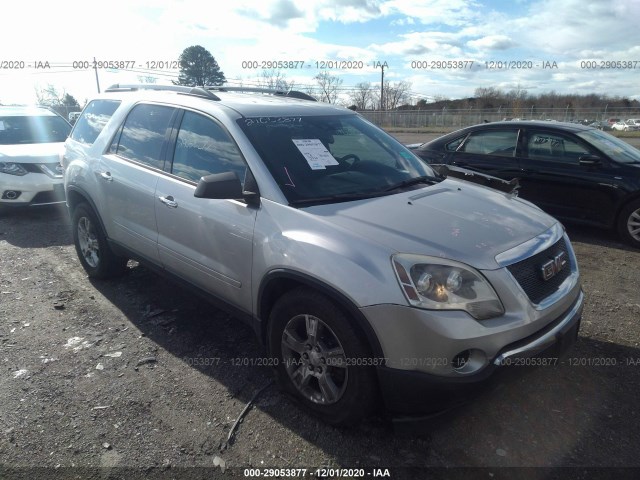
pixel 517 97
pixel 61 102
pixel 362 95
pixel 328 86
pixel 49 96
pixel 395 94
pixel 489 97
pixel 275 80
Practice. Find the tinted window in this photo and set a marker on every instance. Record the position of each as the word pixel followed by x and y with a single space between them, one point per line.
pixel 93 119
pixel 615 148
pixel 554 148
pixel 33 129
pixel 143 134
pixel 203 148
pixel 492 142
pixel 453 146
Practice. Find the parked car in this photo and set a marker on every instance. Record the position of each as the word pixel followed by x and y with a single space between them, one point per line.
pixel 31 146
pixel 601 125
pixel 365 274
pixel 624 126
pixel 634 121
pixel 573 172
pixel 73 116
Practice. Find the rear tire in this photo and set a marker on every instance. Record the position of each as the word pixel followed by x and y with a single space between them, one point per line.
pixel 92 247
pixel 320 359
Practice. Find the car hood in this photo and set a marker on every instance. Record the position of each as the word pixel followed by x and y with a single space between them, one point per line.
pixel 32 153
pixel 453 219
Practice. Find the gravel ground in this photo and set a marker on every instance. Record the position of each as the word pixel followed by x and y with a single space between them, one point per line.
pixel 137 373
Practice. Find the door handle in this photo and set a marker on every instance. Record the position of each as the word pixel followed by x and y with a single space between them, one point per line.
pixel 106 176
pixel 168 201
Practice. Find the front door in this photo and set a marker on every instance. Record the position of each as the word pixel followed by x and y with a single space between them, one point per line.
pixel 207 242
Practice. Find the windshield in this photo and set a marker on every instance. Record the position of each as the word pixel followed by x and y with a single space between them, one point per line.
pixel 332 158
pixel 613 147
pixel 33 129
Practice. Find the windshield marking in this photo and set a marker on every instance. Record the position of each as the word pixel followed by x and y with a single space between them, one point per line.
pixel 289 177
pixel 251 121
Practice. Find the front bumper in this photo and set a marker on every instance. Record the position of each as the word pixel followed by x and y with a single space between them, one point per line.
pixel 32 189
pixel 411 392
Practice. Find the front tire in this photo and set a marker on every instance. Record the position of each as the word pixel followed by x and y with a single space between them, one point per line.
pixel 92 247
pixel 629 223
pixel 320 358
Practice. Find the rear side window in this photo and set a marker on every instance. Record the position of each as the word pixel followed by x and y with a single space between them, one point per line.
pixel 143 134
pixel 93 119
pixel 492 142
pixel 453 146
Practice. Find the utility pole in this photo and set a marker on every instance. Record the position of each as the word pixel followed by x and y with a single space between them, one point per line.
pixel 382 88
pixel 95 67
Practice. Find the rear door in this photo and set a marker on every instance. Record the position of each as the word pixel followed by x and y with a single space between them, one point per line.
pixel 491 151
pixel 129 172
pixel 207 242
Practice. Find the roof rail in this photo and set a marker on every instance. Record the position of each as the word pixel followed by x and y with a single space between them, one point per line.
pixel 186 90
pixel 284 93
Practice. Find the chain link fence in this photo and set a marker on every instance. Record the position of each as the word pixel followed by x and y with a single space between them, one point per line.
pixel 450 118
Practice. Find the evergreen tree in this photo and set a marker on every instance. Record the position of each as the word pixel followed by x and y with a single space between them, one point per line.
pixel 199 68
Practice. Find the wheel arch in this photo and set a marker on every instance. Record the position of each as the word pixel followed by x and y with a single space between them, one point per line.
pixel 76 196
pixel 623 203
pixel 279 281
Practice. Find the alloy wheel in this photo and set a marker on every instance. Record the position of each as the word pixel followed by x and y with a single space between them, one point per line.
pixel 314 359
pixel 88 242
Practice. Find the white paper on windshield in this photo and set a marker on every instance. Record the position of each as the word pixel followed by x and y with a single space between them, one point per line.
pixel 315 153
pixel 1 125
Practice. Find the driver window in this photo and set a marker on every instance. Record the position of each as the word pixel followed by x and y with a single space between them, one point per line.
pixel 351 142
pixel 203 148
pixel 551 147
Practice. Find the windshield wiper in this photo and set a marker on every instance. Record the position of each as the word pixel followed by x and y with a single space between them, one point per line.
pixel 335 198
pixel 413 181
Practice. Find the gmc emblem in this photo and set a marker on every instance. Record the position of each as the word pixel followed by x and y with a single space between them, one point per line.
pixel 553 266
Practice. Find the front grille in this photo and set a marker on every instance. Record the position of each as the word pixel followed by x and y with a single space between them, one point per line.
pixel 528 272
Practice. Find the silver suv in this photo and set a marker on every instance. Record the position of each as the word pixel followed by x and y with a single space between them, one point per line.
pixel 365 274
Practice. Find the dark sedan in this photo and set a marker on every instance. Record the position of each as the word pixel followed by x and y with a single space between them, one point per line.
pixel 571 171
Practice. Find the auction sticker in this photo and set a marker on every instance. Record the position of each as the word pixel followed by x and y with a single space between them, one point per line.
pixel 315 153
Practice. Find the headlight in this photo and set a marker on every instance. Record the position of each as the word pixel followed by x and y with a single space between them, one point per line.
pixel 12 168
pixel 438 284
pixel 55 172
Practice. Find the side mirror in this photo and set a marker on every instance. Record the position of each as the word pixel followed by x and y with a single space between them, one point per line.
pixel 222 186
pixel 589 160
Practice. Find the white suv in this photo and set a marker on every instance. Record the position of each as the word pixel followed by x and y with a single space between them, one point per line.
pixel 31 145
pixel 364 273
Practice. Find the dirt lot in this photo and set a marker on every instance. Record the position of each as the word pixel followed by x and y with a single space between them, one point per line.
pixel 138 373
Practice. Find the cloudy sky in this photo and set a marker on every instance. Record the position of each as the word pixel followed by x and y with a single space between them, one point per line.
pixel 581 46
